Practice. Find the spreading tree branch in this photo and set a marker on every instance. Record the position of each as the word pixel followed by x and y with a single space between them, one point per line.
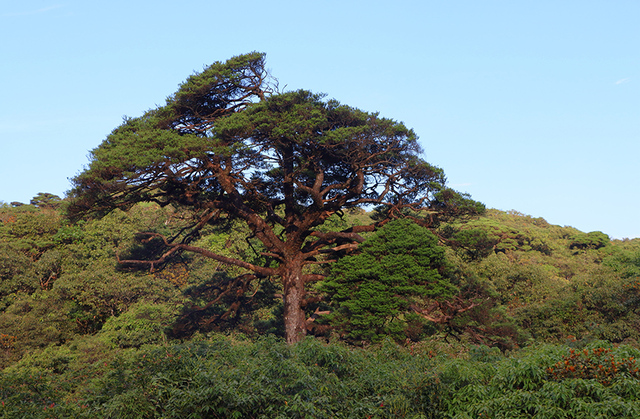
pixel 174 248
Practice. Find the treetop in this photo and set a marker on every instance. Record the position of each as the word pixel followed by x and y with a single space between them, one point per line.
pixel 225 137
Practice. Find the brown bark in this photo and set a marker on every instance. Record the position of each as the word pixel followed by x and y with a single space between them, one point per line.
pixel 295 327
pixel 177 247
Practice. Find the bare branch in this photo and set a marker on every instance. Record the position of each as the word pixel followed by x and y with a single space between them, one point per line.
pixel 176 247
pixel 442 312
pixel 316 314
pixel 333 235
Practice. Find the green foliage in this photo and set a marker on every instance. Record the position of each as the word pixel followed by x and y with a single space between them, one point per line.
pixel 549 291
pixel 85 337
pixel 455 206
pixel 46 200
pixel 69 234
pixel 476 242
pixel 93 341
pixel 224 377
pixel 49 267
pixel 29 229
pixel 372 291
pixel 593 240
pixel 479 238
pixel 16 274
pixel 33 322
pixel 143 323
pixel 529 384
pixel 58 280
pixel 91 297
pixel 624 261
pixel 233 240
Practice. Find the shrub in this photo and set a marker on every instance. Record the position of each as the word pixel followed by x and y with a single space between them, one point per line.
pixel 593 240
pixel 371 291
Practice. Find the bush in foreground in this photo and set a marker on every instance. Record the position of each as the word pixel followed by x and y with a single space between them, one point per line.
pixel 224 377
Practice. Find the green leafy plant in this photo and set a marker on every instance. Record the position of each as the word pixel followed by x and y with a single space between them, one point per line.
pixel 371 291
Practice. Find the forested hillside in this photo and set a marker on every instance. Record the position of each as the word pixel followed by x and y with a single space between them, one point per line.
pixel 493 311
pixel 245 252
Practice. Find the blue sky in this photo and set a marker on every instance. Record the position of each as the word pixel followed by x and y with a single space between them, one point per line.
pixel 526 105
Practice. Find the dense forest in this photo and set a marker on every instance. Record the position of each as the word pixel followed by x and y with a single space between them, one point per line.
pixel 246 252
pixel 520 318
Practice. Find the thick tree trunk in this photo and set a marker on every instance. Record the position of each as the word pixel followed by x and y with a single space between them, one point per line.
pixel 294 319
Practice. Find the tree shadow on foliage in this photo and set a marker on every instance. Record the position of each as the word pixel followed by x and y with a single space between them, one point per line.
pixel 225 303
pixel 485 321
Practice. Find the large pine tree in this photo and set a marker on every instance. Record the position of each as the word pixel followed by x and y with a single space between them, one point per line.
pixel 227 146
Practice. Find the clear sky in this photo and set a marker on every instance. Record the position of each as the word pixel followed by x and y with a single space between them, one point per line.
pixel 531 105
